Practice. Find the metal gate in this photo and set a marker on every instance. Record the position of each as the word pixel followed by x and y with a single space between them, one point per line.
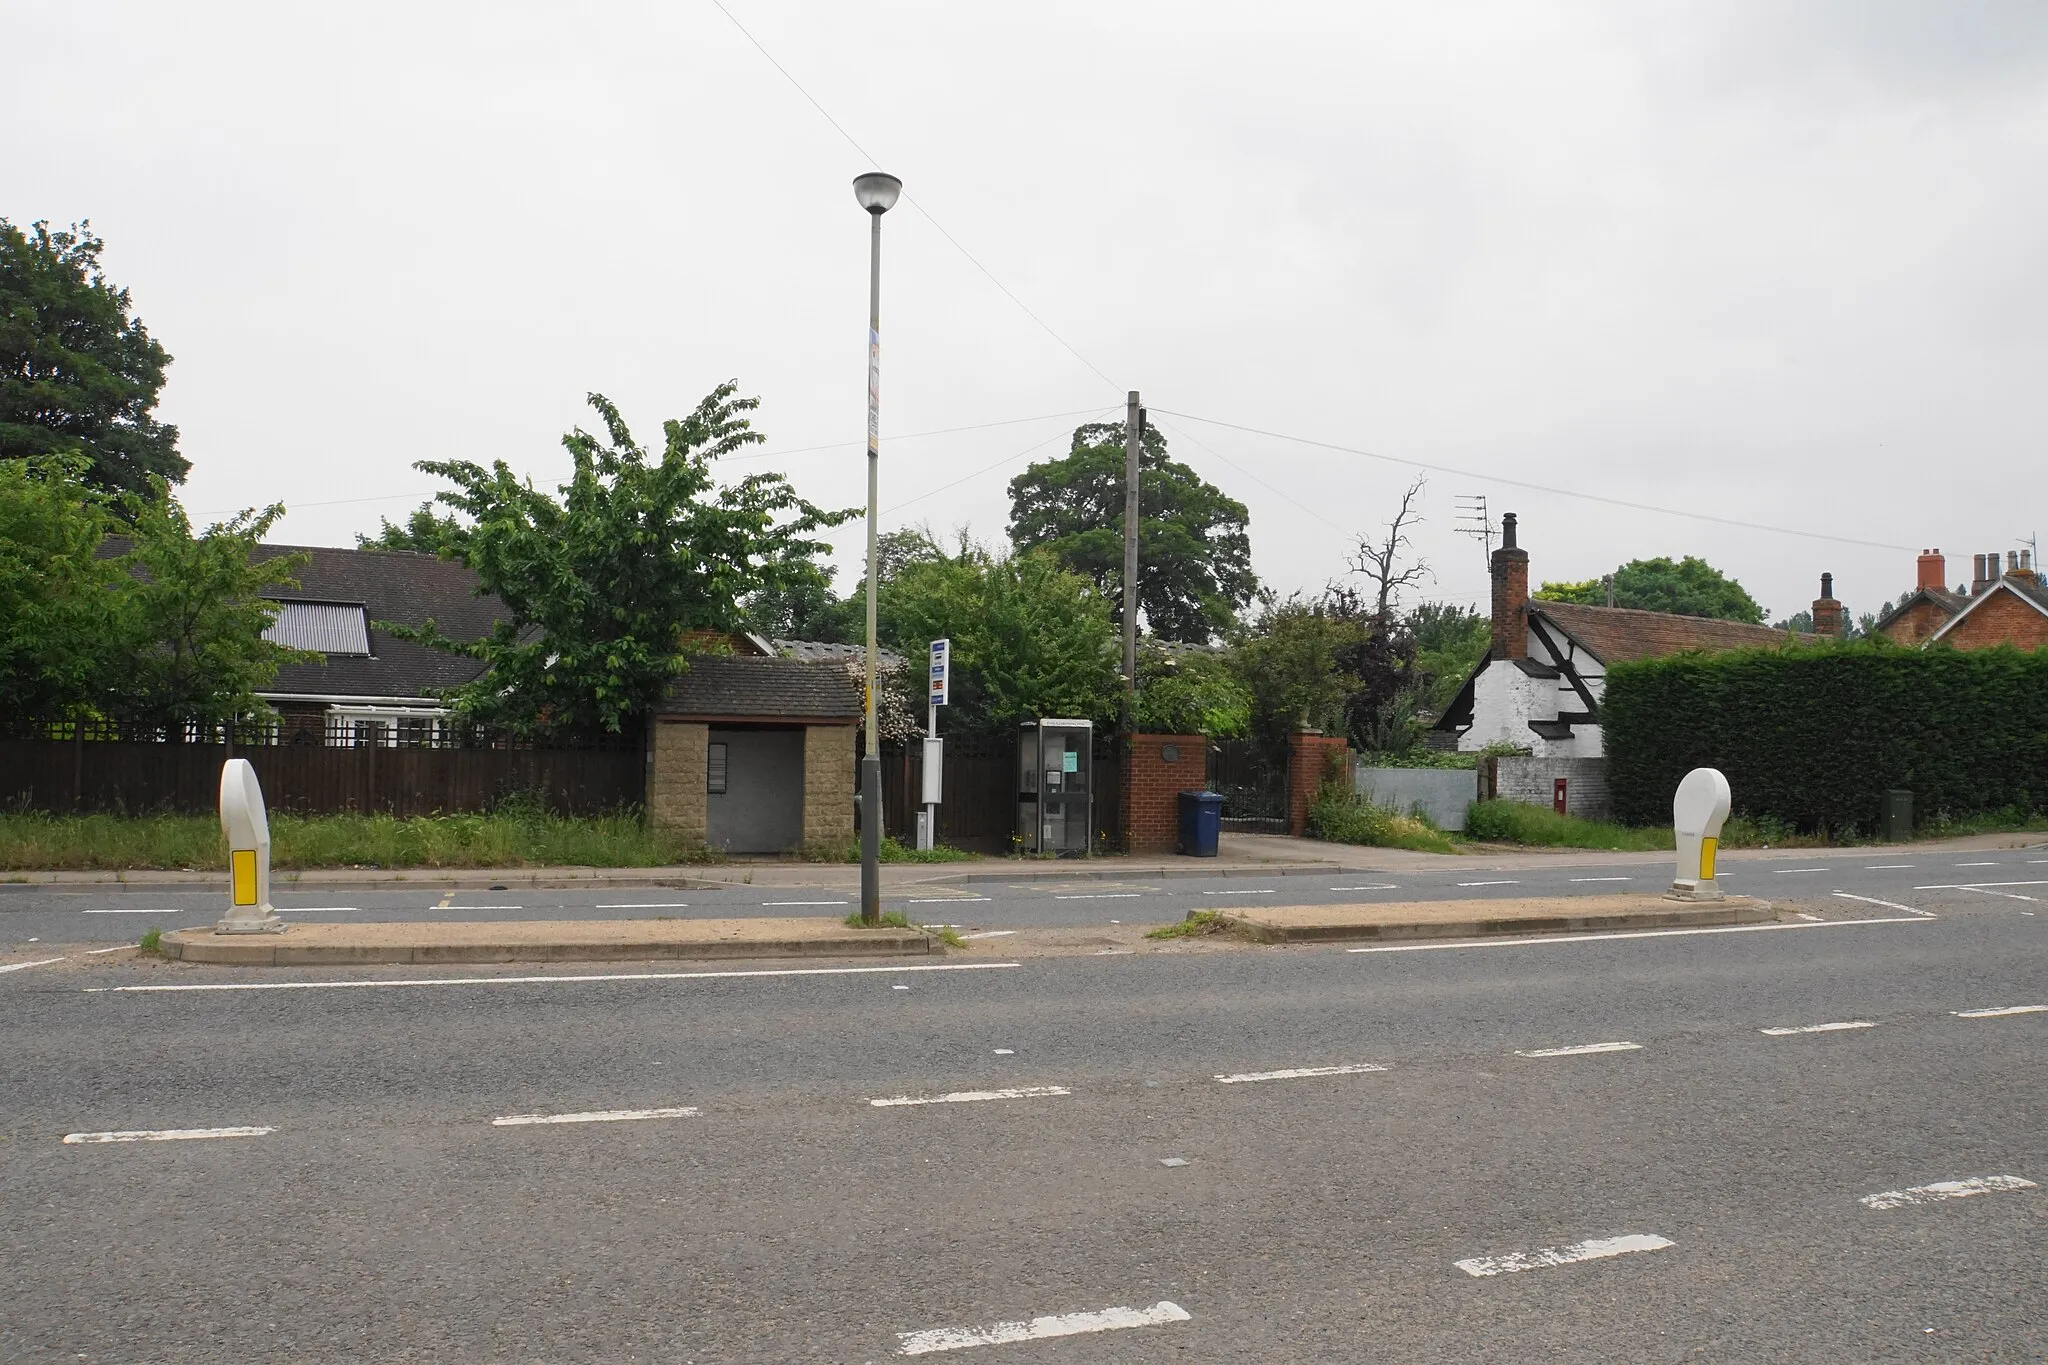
pixel 1253 787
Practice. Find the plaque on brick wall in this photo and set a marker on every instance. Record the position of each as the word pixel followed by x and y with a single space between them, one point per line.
pixel 1169 753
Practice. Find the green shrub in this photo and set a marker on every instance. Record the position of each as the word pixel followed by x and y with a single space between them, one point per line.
pixel 1517 822
pixel 1341 818
pixel 1813 736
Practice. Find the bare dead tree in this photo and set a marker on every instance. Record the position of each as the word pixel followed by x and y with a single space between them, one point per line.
pixel 1381 561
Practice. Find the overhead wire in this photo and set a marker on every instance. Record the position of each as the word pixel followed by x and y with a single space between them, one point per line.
pixel 987 468
pixel 911 200
pixel 1533 487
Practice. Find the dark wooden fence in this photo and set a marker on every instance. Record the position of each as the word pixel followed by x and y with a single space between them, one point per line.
pixel 133 775
pixel 980 809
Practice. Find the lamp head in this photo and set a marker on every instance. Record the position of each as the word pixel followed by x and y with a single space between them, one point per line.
pixel 876 191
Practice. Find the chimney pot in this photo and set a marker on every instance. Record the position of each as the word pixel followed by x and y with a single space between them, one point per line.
pixel 1827 587
pixel 1828 616
pixel 1507 531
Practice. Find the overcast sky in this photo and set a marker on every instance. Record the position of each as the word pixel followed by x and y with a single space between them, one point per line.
pixel 1777 263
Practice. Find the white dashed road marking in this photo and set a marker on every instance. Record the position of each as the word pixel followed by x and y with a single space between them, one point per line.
pixel 1884 867
pixel 124 910
pixel 547 980
pixel 1781 871
pixel 24 966
pixel 1945 1189
pixel 1974 886
pixel 1581 1050
pixel 1602 879
pixel 1356 1069
pixel 650 905
pixel 1999 1012
pixel 1973 864
pixel 1266 892
pixel 1597 1249
pixel 599 1116
pixel 1816 1028
pixel 942 900
pixel 1489 883
pixel 1101 896
pixel 350 909
pixel 804 902
pixel 164 1135
pixel 988 933
pixel 1037 1329
pixel 1889 905
pixel 1026 1092
pixel 1376 886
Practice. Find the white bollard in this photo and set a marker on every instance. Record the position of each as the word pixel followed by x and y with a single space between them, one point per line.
pixel 247 827
pixel 1698 810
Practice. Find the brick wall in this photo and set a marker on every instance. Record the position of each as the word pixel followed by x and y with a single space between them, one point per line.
pixel 676 798
pixel 1915 623
pixel 1309 759
pixel 2002 619
pixel 1532 781
pixel 829 782
pixel 302 722
pixel 1152 785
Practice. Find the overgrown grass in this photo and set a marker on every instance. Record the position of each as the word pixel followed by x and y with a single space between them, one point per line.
pixel 1197 924
pixel 152 942
pixel 1342 818
pixel 848 851
pixel 1516 822
pixel 515 837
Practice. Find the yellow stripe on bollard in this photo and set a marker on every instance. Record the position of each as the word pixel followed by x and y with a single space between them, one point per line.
pixel 242 863
pixel 1707 847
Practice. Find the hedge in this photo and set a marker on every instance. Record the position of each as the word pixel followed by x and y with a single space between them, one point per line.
pixel 1814 735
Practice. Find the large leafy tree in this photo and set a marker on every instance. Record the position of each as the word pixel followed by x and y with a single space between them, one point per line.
pixel 77 372
pixel 601 580
pixel 1687 587
pixel 1029 637
pixel 1450 640
pixel 58 594
pixel 1194 556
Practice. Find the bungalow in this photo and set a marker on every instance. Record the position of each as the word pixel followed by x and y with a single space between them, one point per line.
pixel 1540 687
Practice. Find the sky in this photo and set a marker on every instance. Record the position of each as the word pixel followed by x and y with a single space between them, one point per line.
pixel 1767 277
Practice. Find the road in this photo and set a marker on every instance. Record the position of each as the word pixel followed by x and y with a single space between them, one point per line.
pixel 1481 1173
pixel 977 897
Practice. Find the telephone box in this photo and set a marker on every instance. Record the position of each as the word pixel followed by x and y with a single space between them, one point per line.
pixel 1056 787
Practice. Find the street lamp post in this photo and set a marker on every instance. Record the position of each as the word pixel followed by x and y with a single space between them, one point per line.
pixel 875 192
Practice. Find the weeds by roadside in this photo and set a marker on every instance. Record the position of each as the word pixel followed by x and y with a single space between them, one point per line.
pixel 1515 822
pixel 1341 818
pixel 890 851
pixel 895 919
pixel 1198 924
pixel 152 943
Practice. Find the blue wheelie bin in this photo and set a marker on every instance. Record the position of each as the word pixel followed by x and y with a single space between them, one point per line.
pixel 1201 822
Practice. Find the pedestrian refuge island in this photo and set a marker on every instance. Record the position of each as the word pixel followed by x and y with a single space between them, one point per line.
pixel 1698 810
pixel 247 828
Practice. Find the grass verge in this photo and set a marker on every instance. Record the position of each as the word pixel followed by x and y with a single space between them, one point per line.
pixel 505 838
pixel 1516 822
pixel 848 851
pixel 1342 818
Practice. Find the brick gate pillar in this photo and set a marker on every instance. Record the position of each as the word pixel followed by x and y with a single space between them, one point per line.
pixel 1308 759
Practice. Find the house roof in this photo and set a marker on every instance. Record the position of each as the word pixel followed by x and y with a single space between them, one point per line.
pixel 1946 602
pixel 741 686
pixel 2026 587
pixel 389 585
pixel 829 651
pixel 1619 634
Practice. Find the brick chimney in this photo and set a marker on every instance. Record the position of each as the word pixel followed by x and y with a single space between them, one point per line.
pixel 1933 569
pixel 1827 612
pixel 1510 595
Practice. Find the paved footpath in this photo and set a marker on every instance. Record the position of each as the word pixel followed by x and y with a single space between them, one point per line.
pixel 1818 1141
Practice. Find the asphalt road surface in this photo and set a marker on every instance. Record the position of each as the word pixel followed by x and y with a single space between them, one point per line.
pixel 976 897
pixel 1822 1141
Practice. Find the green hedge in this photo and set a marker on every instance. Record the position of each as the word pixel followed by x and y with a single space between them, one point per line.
pixel 1814 736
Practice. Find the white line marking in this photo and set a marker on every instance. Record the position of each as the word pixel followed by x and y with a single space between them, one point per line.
pixel 988 933
pixel 1356 1069
pixel 1945 1189
pixel 1375 886
pixel 1884 867
pixel 165 1135
pixel 1974 886
pixel 2000 1012
pixel 805 902
pixel 1803 915
pixel 1266 892
pixel 445 906
pixel 1816 1028
pixel 650 905
pixel 942 900
pixel 1489 883
pixel 1102 896
pixel 1027 1092
pixel 1889 905
pixel 1781 871
pixel 24 966
pixel 550 980
pixel 1006 1052
pixel 599 1116
pixel 350 909
pixel 1625 934
pixel 1973 864
pixel 1173 1161
pixel 123 910
pixel 1603 879
pixel 1060 1325
pixel 95 952
pixel 1581 1049
pixel 2038 860
pixel 1594 1250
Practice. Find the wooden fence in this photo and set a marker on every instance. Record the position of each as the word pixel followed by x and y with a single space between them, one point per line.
pixel 313 779
pixel 980 809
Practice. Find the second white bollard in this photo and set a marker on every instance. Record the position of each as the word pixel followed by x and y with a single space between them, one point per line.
pixel 1698 810
pixel 247 827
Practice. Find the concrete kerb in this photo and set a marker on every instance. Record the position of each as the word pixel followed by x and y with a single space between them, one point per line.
pixel 335 945
pixel 1466 919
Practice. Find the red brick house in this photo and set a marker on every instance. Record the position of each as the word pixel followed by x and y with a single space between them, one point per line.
pixel 2004 605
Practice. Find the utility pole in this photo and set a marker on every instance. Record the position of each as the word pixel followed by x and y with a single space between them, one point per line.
pixel 876 192
pixel 1134 433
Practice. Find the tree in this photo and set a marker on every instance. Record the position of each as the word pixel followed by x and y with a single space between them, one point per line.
pixel 1291 660
pixel 1194 556
pixel 425 531
pixel 600 584
pixel 190 622
pixel 77 373
pixel 1380 561
pixel 1450 640
pixel 1190 692
pixel 1029 637
pixel 1689 587
pixel 58 594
